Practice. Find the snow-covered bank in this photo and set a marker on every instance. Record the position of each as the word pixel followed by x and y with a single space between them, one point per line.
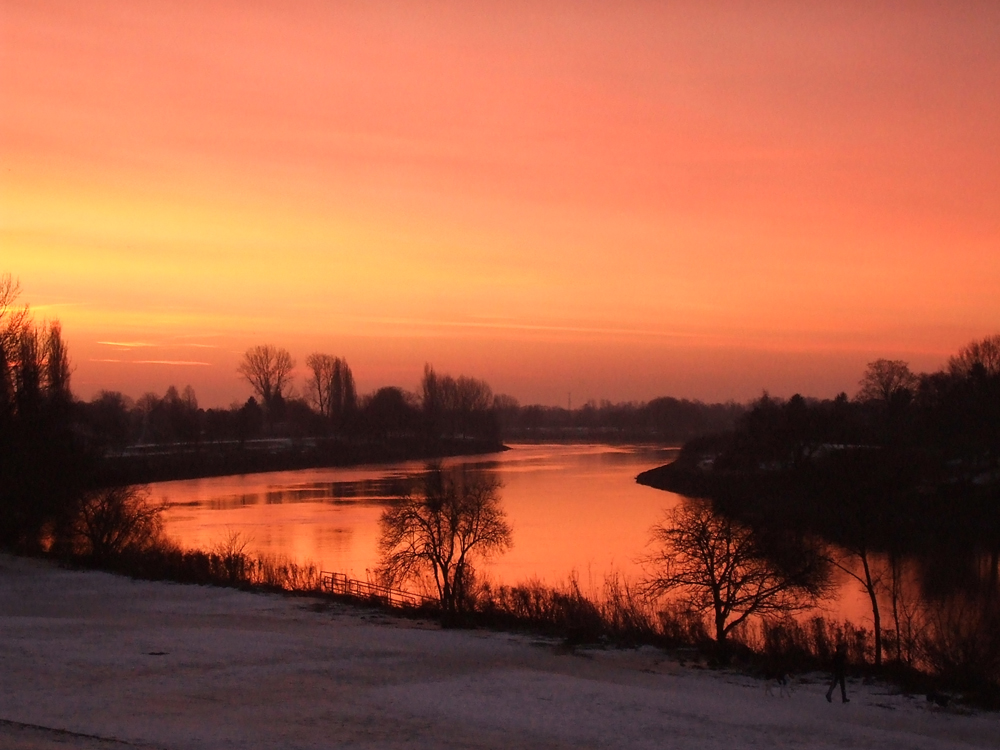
pixel 167 666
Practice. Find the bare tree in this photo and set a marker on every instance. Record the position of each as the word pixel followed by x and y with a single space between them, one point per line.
pixel 29 375
pixel 905 610
pixel 473 394
pixel 865 515
pixel 871 580
pixel 42 467
pixel 331 386
pixel 12 321
pixel 268 369
pixel 12 317
pixel 455 406
pixel 34 366
pixel 441 534
pixel 343 394
pixel 720 568
pixel 318 385
pixel 57 369
pixel 859 523
pixel 886 380
pixel 118 519
pixel 432 399
pixel 233 553
pixel 985 353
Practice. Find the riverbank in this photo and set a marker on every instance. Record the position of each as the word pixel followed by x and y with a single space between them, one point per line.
pixel 671 478
pixel 93 660
pixel 200 460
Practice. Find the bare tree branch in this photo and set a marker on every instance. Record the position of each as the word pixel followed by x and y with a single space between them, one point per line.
pixel 441 534
pixel 719 567
pixel 268 370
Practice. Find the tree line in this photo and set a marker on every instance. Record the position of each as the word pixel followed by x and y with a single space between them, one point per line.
pixel 330 405
pixel 664 419
pixel 445 407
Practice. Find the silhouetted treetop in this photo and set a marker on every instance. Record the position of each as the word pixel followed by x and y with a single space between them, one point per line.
pixel 330 388
pixel 887 380
pixel 268 370
pixel 457 406
pixel 984 354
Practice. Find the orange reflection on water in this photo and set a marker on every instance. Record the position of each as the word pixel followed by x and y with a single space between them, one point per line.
pixel 575 510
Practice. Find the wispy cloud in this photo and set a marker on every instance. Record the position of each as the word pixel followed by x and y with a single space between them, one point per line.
pixel 175 362
pixel 171 362
pixel 127 344
pixel 54 306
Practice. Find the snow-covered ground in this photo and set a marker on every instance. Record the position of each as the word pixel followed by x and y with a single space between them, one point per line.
pixel 89 660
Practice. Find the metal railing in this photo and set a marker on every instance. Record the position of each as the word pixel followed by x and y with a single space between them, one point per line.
pixel 340 584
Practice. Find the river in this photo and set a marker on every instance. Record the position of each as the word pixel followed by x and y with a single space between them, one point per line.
pixel 575 510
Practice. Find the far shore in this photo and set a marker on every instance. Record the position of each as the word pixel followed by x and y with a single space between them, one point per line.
pixel 142 465
pixel 92 660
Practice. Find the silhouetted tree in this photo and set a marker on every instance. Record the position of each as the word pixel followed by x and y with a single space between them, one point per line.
pixel 115 520
pixel 887 380
pixel 43 465
pixel 456 406
pixel 455 522
pixel 506 409
pixel 390 410
pixel 984 353
pixel 719 566
pixel 250 420
pixel 962 640
pixel 431 399
pixel 173 418
pixel 321 368
pixel 268 370
pixel 863 511
pixel 109 420
pixel 57 371
pixel 12 316
pixel 871 579
pixel 331 388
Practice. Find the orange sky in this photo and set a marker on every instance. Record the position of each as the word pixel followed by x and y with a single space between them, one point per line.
pixel 621 200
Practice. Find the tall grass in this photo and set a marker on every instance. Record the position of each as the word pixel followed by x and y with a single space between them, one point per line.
pixel 240 570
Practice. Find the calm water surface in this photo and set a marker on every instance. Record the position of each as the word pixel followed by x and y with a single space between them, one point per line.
pixel 572 508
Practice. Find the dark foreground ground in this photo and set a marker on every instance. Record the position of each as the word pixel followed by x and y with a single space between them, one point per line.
pixel 89 660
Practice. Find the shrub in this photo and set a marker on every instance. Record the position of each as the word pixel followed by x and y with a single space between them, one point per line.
pixel 963 643
pixel 116 520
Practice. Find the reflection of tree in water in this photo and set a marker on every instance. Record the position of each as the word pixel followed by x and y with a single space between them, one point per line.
pixel 374 491
pixel 438 534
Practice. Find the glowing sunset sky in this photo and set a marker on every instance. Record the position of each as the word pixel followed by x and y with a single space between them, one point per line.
pixel 622 200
